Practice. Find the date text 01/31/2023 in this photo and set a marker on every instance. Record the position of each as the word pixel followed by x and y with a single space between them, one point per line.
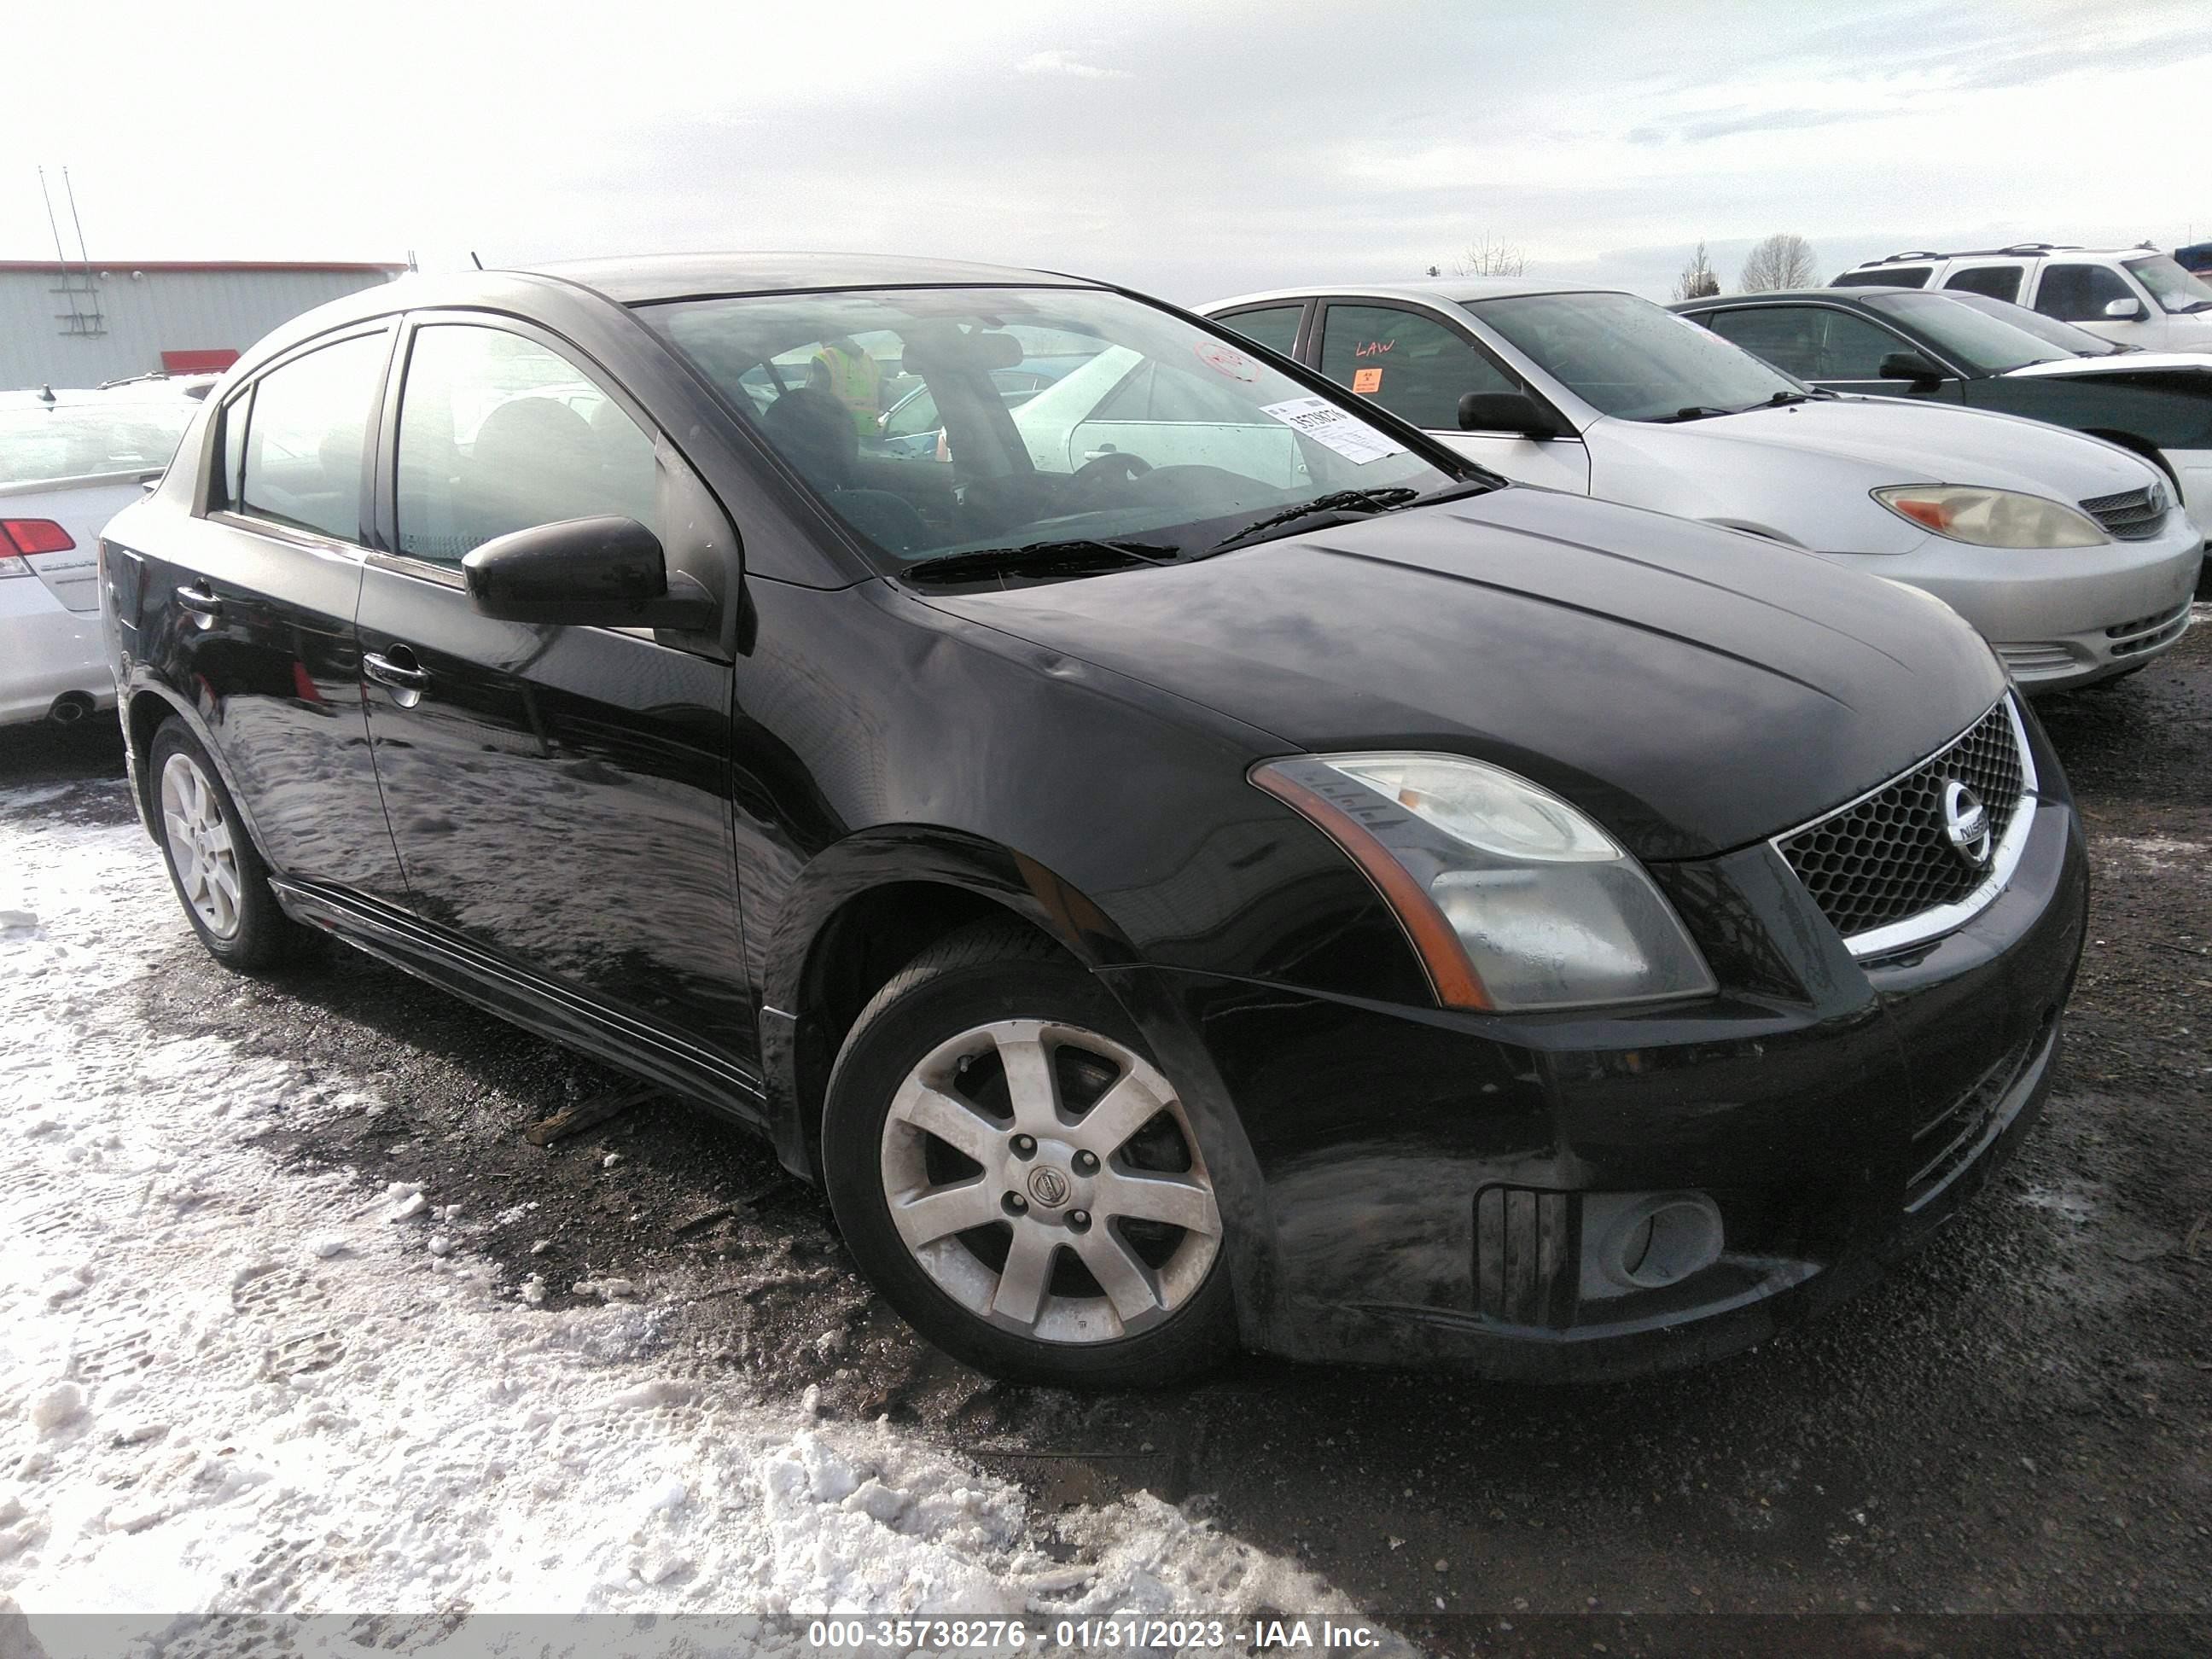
pixel 1082 1635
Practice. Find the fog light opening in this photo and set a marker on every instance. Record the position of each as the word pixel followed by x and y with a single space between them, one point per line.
pixel 1661 1240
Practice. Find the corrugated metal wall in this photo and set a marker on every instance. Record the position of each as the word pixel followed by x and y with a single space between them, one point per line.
pixel 159 311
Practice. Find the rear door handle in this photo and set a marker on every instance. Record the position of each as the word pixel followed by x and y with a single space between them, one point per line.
pixel 400 677
pixel 198 602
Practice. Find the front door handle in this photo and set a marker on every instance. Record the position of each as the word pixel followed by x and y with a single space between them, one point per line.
pixel 407 681
pixel 199 602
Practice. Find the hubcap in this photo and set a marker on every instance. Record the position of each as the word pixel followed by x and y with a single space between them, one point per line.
pixel 1047 1178
pixel 200 845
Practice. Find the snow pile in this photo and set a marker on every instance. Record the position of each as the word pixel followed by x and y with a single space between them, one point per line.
pixel 228 1386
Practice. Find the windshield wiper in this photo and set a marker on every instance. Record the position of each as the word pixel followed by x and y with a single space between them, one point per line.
pixel 1040 559
pixel 1694 412
pixel 1349 502
pixel 1782 399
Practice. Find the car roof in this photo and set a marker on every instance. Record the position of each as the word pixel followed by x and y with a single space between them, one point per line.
pixel 643 278
pixel 2017 251
pixel 1460 290
pixel 1829 295
pixel 153 390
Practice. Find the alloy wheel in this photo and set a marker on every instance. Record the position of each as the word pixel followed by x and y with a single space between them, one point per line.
pixel 200 845
pixel 1047 1178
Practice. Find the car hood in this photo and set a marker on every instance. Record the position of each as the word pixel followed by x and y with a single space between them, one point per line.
pixel 1893 441
pixel 1692 688
pixel 2125 362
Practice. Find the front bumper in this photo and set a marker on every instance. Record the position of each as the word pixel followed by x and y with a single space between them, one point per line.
pixel 2063 616
pixel 1426 1175
pixel 46 650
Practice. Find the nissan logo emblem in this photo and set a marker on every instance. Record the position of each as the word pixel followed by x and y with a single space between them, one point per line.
pixel 1966 824
pixel 1048 1187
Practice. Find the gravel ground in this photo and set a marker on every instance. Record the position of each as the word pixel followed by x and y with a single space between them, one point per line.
pixel 2015 1422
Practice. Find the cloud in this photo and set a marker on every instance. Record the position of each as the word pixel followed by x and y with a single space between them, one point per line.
pixel 1060 61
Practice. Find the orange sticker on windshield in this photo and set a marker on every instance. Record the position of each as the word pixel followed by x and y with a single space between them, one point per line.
pixel 1366 379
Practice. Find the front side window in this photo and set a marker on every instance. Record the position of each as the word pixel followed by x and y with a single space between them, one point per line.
pixel 1852 349
pixel 2079 292
pixel 1998 282
pixel 1966 334
pixel 2174 289
pixel 1629 358
pixel 1129 423
pixel 1412 365
pixel 498 433
pixel 1275 327
pixel 304 441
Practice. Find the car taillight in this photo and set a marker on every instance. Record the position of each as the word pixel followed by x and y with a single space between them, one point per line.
pixel 36 536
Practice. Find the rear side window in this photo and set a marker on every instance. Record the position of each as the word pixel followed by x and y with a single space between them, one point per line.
pixel 1886 276
pixel 1275 327
pixel 1412 365
pixel 303 443
pixel 1998 282
pixel 2079 292
pixel 1789 337
pixel 498 433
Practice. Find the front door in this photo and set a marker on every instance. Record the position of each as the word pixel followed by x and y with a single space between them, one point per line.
pixel 1418 366
pixel 560 795
pixel 1828 346
pixel 2084 293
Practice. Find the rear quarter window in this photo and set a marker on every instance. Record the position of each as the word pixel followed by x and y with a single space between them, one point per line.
pixel 1888 277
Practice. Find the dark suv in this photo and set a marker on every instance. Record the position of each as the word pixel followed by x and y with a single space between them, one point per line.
pixel 1183 857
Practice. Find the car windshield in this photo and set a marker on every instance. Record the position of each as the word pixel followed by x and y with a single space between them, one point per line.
pixel 1627 357
pixel 942 421
pixel 40 441
pixel 2071 341
pixel 2170 285
pixel 1987 345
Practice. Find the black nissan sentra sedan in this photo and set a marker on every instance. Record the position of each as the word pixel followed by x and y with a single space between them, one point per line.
pixel 1180 858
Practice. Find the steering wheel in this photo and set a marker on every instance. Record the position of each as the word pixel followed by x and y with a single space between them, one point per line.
pixel 1094 477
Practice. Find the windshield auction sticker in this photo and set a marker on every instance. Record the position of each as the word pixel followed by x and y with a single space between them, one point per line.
pixel 1325 423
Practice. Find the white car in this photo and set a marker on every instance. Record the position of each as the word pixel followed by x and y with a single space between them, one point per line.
pixel 2069 554
pixel 2135 295
pixel 69 461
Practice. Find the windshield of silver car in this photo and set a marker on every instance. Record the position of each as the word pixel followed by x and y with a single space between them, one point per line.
pixel 1627 357
pixel 936 422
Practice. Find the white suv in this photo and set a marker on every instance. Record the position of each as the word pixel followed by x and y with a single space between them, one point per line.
pixel 2135 295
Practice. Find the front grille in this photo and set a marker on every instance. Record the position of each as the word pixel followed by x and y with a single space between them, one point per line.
pixel 2143 634
pixel 2133 515
pixel 1884 859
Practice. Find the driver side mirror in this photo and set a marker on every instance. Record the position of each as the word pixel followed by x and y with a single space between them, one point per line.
pixel 1910 366
pixel 1506 412
pixel 599 571
pixel 2124 311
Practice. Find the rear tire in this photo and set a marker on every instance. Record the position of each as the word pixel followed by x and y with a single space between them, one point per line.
pixel 218 876
pixel 1014 1172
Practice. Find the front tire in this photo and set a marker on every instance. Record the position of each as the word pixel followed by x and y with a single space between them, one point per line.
pixel 1018 1177
pixel 219 876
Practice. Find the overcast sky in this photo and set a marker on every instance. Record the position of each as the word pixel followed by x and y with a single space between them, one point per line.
pixel 1192 149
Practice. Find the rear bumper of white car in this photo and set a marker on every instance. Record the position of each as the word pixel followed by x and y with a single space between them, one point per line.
pixel 2064 617
pixel 48 654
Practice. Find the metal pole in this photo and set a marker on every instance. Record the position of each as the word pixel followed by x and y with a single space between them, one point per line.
pixel 61 259
pixel 84 254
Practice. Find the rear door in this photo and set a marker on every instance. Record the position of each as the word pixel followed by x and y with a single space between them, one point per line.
pixel 246 609
pixel 559 794
pixel 1417 366
pixel 1999 279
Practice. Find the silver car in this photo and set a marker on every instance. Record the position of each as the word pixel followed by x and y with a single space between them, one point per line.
pixel 2070 554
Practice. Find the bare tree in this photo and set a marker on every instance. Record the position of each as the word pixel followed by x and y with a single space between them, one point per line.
pixel 1489 255
pixel 1698 280
pixel 1782 260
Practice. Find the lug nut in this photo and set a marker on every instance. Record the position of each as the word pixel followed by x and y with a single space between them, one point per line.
pixel 1024 1146
pixel 1014 1204
pixel 1079 1219
pixel 1086 1163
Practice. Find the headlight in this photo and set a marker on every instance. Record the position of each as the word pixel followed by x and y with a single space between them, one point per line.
pixel 1992 518
pixel 1512 899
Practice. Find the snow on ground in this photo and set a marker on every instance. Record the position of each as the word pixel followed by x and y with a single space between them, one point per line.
pixel 229 1385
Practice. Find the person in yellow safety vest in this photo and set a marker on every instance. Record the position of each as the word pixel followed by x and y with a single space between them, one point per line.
pixel 853 378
